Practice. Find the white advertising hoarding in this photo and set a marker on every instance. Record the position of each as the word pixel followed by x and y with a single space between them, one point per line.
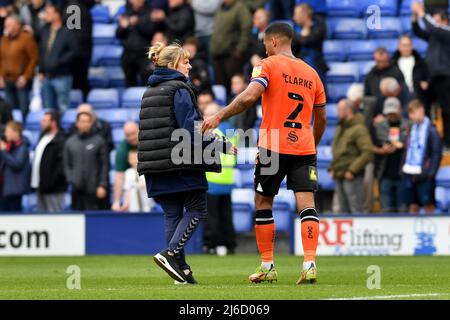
pixel 380 236
pixel 42 235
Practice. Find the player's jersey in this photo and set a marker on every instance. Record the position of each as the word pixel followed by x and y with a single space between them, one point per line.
pixel 292 90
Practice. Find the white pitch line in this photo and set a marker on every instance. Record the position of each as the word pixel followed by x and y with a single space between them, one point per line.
pixel 413 295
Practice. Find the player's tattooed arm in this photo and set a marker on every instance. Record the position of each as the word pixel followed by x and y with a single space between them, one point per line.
pixel 242 102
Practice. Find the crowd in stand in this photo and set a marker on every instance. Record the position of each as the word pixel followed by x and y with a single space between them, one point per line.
pixel 384 131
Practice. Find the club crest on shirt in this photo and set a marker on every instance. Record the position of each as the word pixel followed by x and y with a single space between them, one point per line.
pixel 256 71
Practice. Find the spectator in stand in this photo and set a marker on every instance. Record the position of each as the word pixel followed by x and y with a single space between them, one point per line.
pixel 219 235
pixel 204 99
pixel 390 87
pixel 179 22
pixel 6 8
pixel 199 74
pixel 414 70
pixel 100 126
pixel 158 36
pixel 437 32
pixel 18 59
pixel 14 168
pixel 261 19
pixel 309 37
pixel 319 7
pixel 83 39
pixel 245 120
pixel 204 12
pixel 389 148
pixel 423 157
pixel 254 5
pixel 352 151
pixel 281 9
pixel 383 68
pixel 230 41
pixel 131 132
pixel 47 174
pixel 135 190
pixel 135 31
pixel 86 165
pixel 58 51
pixel 33 17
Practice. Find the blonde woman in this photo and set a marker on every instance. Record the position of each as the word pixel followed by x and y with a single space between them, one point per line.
pixel 169 104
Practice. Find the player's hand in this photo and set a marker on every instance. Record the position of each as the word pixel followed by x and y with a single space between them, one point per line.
pixel 210 123
pixel 101 192
pixel 233 150
pixel 349 176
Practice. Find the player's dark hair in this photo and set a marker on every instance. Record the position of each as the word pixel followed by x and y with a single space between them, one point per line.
pixel 280 29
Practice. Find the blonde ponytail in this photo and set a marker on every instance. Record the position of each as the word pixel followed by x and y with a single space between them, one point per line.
pixel 167 56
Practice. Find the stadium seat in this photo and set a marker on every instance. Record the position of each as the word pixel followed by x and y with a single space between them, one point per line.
pixel 29 202
pixel 97 77
pixel 283 217
pixel 100 14
pixel 332 117
pixel 443 177
pixel 104 34
pixel 324 179
pixel 243 209
pixel 69 117
pixel 34 120
pixel 32 136
pixel 348 28
pixel 364 68
pixel 131 97
pixel 115 117
pixel 220 94
pixel 337 91
pixel 106 55
pixel 391 27
pixel 420 45
pixel 76 98
pixel 343 8
pixel 361 49
pixel 246 158
pixel 103 98
pixel 391 45
pixel 133 114
pixel 335 50
pixel 343 72
pixel 387 7
pixel 406 25
pixel 328 136
pixel 405 8
pixel 17 115
pixel 324 156
pixel 118 135
pixel 247 177
pixel 442 200
pixel 116 77
pixel 120 10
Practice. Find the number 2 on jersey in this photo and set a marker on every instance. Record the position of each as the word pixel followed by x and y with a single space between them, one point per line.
pixel 296 112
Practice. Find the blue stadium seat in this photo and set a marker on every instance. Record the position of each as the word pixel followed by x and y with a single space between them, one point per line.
pixel 115 117
pixel 391 45
pixel 103 98
pixel 34 120
pixel 343 72
pixel 391 27
pixel 97 77
pixel 348 28
pixel 29 202
pixel 324 156
pixel 343 8
pixel 106 55
pixel 420 45
pixel 121 10
pixel 364 68
pixel 246 158
pixel 100 14
pixel 247 177
pixel 116 77
pixel 131 97
pixel 118 135
pixel 286 197
pixel 69 117
pixel 442 200
pixel 443 177
pixel 361 49
pixel 220 94
pixel 17 115
pixel 32 136
pixel 335 50
pixel 387 7
pixel 406 25
pixel 133 114
pixel 405 8
pixel 283 216
pixel 103 34
pixel 76 98
pixel 337 91
pixel 328 136
pixel 243 209
pixel 112 159
pixel 324 179
pixel 332 117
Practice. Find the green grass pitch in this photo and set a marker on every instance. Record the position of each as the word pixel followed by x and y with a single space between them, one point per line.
pixel 138 277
